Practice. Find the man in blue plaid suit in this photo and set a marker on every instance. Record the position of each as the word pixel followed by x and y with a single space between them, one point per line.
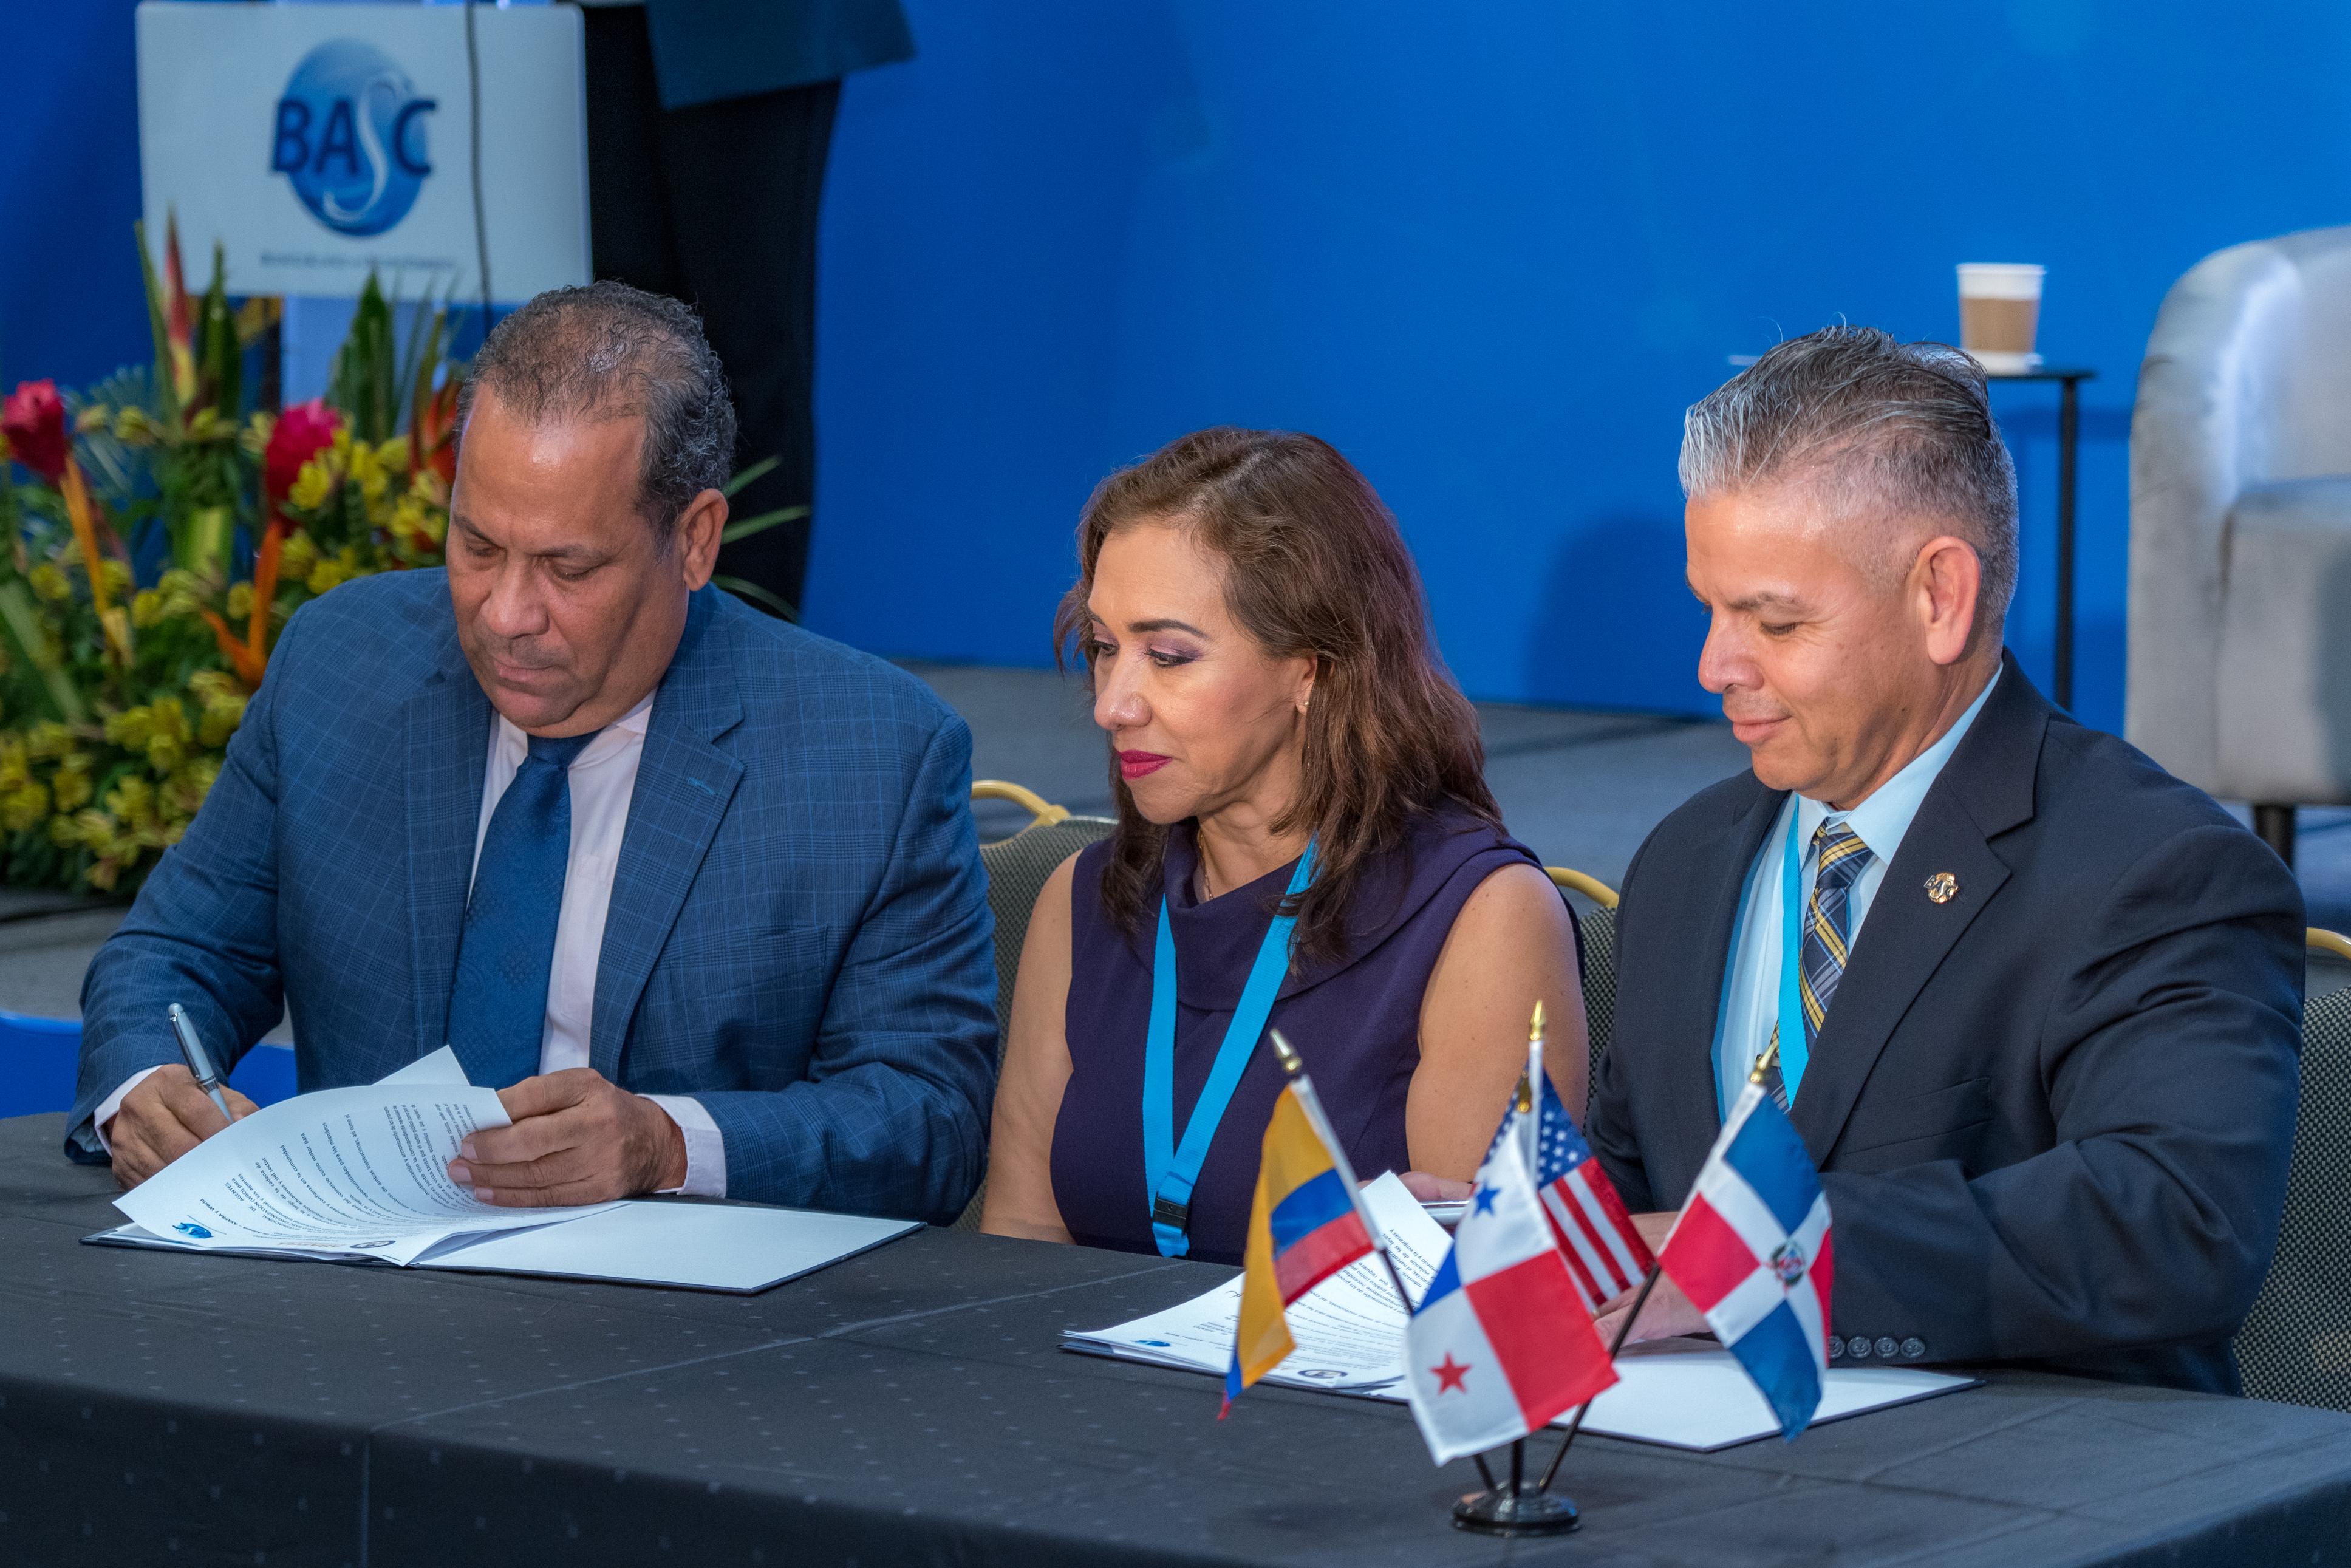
pixel 696 890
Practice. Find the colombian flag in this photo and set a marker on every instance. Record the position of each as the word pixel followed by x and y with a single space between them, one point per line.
pixel 1304 1228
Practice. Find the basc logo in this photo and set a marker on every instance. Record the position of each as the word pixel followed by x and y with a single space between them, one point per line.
pixel 351 137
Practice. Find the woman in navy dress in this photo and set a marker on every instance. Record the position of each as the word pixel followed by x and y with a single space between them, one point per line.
pixel 1285 747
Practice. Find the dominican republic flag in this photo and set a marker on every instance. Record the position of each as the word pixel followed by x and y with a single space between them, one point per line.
pixel 1603 1249
pixel 1305 1224
pixel 1751 1252
pixel 1502 1340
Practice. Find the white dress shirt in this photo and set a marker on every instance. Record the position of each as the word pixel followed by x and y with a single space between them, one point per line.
pixel 1750 989
pixel 604 778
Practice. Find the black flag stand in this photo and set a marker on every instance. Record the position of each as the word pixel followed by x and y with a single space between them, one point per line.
pixel 1514 1509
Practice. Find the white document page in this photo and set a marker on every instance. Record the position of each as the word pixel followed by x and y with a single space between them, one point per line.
pixel 1693 1394
pixel 359 1170
pixel 700 1246
pixel 1349 1329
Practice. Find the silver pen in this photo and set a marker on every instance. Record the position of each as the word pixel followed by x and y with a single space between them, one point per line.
pixel 199 1062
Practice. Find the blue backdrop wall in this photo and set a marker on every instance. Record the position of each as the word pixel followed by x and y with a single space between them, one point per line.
pixel 1492 253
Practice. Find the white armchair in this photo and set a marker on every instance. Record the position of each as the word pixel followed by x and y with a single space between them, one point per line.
pixel 2240 530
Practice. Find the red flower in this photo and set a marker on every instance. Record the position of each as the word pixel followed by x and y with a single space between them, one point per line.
pixel 33 421
pixel 302 433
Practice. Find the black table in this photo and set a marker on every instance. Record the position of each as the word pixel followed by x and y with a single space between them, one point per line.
pixel 2069 447
pixel 909 1407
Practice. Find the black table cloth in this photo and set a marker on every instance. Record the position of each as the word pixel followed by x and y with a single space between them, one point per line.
pixel 910 1406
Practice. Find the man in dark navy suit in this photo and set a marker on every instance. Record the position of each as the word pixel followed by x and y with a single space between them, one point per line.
pixel 2033 1004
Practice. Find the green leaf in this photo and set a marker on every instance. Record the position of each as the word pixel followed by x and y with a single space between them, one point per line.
pixel 734 487
pixel 16 615
pixel 745 588
pixel 166 400
pixel 760 523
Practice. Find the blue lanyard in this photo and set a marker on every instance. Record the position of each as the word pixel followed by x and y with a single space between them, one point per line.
pixel 1796 1049
pixel 1171 1171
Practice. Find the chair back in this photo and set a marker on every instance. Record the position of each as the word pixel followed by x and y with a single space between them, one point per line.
pixel 1018 868
pixel 1595 932
pixel 2295 1346
pixel 1595 956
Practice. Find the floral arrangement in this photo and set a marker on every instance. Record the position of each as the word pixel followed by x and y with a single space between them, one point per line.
pixel 159 530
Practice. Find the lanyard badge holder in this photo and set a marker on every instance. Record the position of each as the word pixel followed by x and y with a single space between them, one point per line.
pixel 1795 1045
pixel 1172 1169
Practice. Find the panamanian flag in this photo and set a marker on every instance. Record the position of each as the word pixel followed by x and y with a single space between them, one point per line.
pixel 1603 1248
pixel 1751 1252
pixel 1502 1342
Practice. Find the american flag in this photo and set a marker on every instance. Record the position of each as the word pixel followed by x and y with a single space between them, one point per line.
pixel 1604 1252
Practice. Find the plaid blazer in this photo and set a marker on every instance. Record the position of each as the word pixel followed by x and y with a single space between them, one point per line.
pixel 798 935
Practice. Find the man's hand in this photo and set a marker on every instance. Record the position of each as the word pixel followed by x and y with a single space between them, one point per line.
pixel 576 1138
pixel 1436 1189
pixel 1667 1313
pixel 162 1119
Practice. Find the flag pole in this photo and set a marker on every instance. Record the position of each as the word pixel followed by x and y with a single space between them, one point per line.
pixel 1771 1055
pixel 1287 1054
pixel 1623 1329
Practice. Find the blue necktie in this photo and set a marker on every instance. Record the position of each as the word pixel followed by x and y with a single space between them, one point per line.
pixel 497 1009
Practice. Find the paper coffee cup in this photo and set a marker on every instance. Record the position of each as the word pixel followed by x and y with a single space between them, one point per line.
pixel 2000 310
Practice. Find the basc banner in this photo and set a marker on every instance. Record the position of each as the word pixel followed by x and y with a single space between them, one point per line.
pixel 316 143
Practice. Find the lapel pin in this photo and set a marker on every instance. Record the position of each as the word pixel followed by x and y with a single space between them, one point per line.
pixel 1942 887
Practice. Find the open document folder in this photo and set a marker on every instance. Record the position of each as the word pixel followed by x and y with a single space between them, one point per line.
pixel 1683 1394
pixel 361 1176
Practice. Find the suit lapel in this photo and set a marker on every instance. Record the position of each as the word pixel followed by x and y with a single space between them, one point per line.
pixel 685 782
pixel 448 729
pixel 1985 791
pixel 1711 915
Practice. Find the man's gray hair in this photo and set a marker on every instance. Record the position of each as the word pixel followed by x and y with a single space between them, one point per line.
pixel 1878 427
pixel 606 350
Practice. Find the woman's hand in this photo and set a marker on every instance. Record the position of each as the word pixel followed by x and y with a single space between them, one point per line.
pixel 1437 1188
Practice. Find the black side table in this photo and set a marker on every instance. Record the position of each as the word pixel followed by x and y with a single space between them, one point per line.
pixel 2069 444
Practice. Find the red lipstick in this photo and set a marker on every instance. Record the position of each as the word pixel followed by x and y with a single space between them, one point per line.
pixel 1134 765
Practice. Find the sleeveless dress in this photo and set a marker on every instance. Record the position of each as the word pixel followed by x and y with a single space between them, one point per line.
pixel 1357 1023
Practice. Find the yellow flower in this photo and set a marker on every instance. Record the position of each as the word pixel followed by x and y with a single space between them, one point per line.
pixel 130 798
pixel 328 574
pixel 117 575
pixel 14 772
pixel 134 428
pixel 131 727
pixel 146 608
pixel 297 557
pixel 49 582
pixel 257 431
pixel 47 741
pixel 23 807
pixel 393 454
pixel 206 424
pixel 209 687
pixel 312 486
pixel 240 603
pixel 71 785
pixel 219 719
pixel 97 416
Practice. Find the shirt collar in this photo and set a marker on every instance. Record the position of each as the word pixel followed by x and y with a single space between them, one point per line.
pixel 1883 819
pixel 623 732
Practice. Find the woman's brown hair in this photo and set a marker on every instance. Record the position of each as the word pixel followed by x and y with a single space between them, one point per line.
pixel 1314 566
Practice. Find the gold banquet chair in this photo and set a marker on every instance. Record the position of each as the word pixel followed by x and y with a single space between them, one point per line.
pixel 1595 931
pixel 2295 1346
pixel 1016 870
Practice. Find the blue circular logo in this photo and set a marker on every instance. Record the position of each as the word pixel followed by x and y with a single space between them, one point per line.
pixel 349 137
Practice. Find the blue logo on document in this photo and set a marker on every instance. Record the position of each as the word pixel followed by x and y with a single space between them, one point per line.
pixel 190 1228
pixel 349 137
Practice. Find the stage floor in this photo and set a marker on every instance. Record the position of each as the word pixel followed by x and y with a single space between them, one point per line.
pixel 1582 788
